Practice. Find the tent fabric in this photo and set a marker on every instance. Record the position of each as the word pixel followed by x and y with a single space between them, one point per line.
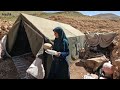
pixel 102 39
pixel 106 39
pixel 92 39
pixel 46 26
pixel 34 38
pixel 11 37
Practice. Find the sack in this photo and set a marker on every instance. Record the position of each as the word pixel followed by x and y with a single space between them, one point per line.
pixel 108 68
pixel 3 52
pixel 36 69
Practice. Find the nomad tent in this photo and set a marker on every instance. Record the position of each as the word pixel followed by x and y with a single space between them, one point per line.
pixel 29 33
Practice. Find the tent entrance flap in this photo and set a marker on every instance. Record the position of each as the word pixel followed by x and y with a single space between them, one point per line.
pixel 21 45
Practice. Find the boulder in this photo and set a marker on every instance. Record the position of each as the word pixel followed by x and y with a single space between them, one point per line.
pixel 94 63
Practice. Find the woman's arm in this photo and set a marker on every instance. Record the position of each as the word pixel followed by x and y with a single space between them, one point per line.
pixel 65 51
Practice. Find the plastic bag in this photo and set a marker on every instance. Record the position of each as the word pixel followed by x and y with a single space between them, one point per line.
pixel 36 69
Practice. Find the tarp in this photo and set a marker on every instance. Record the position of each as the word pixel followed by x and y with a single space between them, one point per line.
pixel 102 39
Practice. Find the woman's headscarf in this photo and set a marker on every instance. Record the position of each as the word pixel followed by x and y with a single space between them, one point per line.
pixel 58 41
pixel 61 33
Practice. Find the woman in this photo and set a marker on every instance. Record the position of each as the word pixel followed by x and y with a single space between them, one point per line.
pixel 59 67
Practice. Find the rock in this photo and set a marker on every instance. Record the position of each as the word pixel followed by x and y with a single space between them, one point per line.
pixel 4 27
pixel 9 27
pixel 116 62
pixel 116 73
pixel 116 50
pixel 94 63
pixel 103 78
pixel 90 76
pixel 95 76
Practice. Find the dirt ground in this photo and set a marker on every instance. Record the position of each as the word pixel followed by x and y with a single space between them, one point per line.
pixel 9 71
pixel 77 70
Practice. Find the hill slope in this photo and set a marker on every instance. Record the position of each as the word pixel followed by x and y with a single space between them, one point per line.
pixel 107 16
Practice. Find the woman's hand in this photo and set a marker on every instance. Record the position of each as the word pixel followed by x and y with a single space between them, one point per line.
pixel 58 54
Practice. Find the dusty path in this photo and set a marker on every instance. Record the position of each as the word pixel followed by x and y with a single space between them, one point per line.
pixel 77 71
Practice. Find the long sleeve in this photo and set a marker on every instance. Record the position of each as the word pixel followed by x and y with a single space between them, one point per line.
pixel 65 51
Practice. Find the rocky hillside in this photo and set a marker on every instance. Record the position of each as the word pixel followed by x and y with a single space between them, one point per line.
pixel 108 16
pixel 90 24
